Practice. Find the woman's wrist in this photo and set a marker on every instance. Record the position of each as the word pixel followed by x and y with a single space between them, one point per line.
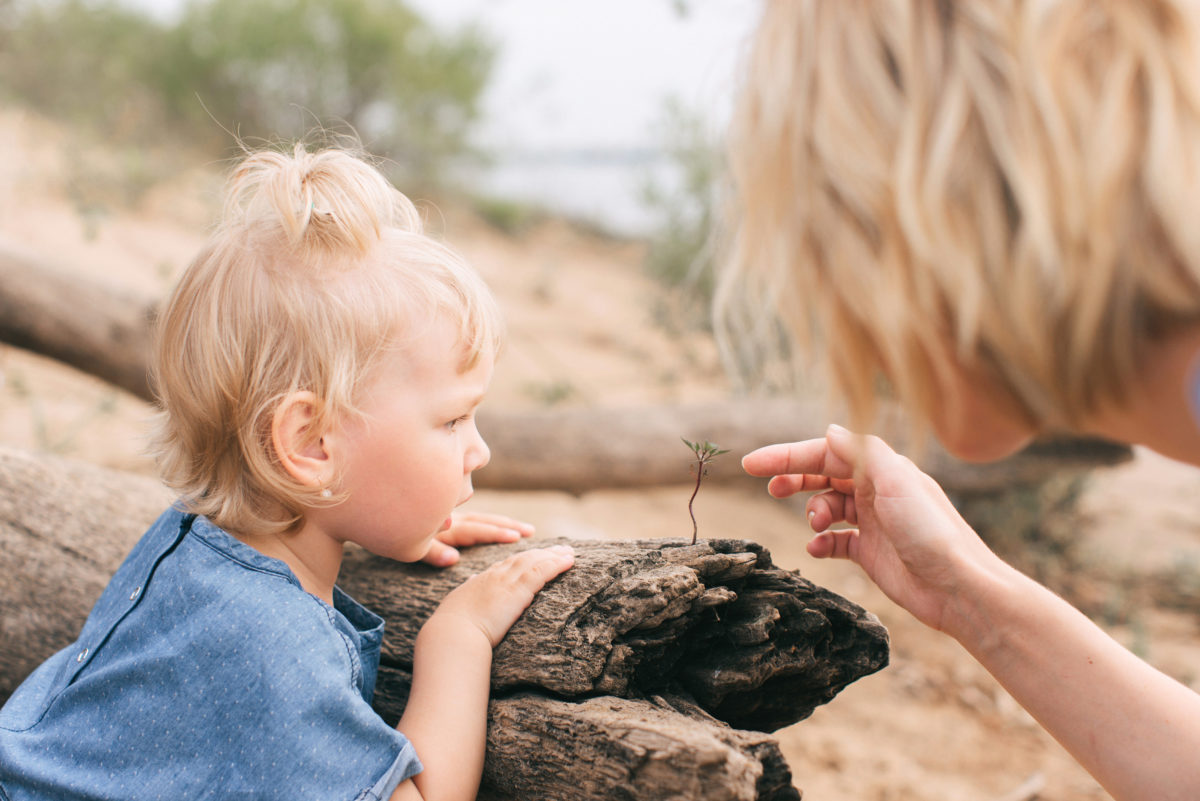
pixel 983 603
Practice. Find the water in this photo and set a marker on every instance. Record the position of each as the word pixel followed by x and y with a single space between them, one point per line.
pixel 575 115
pixel 606 191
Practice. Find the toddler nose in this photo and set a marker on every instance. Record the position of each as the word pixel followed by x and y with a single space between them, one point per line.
pixel 478 455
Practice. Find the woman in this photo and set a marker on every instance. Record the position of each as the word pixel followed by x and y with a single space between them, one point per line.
pixel 988 207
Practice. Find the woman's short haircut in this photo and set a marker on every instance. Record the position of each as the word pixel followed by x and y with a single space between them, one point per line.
pixel 1009 184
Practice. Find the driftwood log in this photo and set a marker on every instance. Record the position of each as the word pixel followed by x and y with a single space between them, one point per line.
pixel 92 326
pixel 581 449
pixel 105 331
pixel 651 669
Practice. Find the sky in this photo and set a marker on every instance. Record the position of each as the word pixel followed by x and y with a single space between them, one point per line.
pixel 595 73
pixel 591 75
pixel 594 76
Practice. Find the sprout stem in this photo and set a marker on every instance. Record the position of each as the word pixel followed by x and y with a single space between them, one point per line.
pixel 695 528
pixel 705 452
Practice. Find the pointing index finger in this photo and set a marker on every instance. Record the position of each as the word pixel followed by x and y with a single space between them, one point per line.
pixel 808 457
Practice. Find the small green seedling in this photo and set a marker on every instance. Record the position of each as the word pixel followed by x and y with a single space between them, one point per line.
pixel 705 452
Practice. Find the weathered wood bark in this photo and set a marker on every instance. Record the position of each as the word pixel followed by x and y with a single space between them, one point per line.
pixel 102 331
pixel 647 658
pixel 757 646
pixel 64 528
pixel 631 750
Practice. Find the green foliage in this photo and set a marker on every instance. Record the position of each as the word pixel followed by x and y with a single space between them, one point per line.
pixel 263 70
pixel 681 251
pixel 269 68
pixel 552 392
pixel 704 451
pixel 84 63
pixel 512 217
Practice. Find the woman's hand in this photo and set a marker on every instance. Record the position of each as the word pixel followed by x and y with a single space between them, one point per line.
pixel 473 528
pixel 908 539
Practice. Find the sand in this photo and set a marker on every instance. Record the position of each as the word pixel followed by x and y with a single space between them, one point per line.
pixel 586 329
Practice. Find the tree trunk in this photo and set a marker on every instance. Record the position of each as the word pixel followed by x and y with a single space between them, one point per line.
pixel 758 647
pixel 636 674
pixel 102 331
pixel 91 326
pixel 582 449
pixel 598 748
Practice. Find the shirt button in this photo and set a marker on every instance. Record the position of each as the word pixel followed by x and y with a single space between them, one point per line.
pixel 82 655
pixel 133 595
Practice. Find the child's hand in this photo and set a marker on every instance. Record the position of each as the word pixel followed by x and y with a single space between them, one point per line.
pixel 910 539
pixel 473 528
pixel 494 599
pixel 446 714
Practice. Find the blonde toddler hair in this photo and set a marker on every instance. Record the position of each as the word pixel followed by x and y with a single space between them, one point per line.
pixel 1011 183
pixel 317 269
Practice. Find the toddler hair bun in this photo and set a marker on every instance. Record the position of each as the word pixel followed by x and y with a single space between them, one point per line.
pixel 330 200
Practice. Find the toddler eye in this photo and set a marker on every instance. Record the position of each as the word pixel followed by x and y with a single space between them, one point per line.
pixel 453 424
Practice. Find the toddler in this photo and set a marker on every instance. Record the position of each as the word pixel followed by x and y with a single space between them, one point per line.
pixel 319 366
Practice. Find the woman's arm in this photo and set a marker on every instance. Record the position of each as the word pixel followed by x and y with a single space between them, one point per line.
pixel 1133 728
pixel 446 714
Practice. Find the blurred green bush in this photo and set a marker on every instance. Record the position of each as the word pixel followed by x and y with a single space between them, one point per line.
pixel 681 251
pixel 257 70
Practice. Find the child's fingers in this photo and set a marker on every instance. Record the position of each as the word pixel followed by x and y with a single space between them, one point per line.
pixel 462 533
pixel 497 521
pixel 506 588
pixel 440 555
pixel 533 568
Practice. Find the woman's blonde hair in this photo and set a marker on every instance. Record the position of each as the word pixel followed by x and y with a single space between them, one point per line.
pixel 1013 184
pixel 317 268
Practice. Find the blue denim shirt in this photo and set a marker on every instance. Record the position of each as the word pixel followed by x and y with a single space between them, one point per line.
pixel 206 671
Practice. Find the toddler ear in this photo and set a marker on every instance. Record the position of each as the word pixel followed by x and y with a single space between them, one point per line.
pixel 300 450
